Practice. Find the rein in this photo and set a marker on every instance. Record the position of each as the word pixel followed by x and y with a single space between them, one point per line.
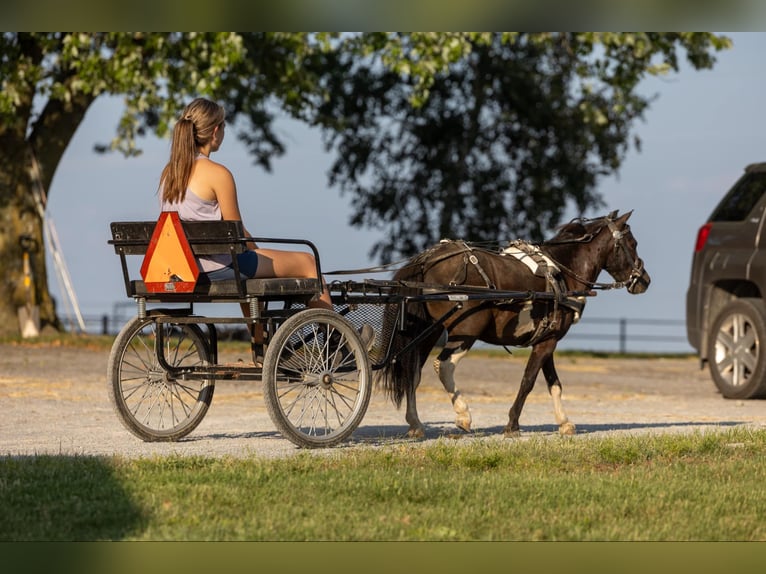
pixel 465 249
pixel 393 266
pixel 635 273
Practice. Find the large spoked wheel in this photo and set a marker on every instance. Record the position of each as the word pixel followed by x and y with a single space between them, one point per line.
pixel 737 349
pixel 151 404
pixel 317 378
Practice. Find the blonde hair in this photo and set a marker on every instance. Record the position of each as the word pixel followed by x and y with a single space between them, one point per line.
pixel 193 129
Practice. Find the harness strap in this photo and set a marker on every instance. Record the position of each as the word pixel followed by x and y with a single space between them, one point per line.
pixel 475 260
pixel 468 257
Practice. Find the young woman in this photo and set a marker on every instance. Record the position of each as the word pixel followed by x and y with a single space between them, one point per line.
pixel 200 189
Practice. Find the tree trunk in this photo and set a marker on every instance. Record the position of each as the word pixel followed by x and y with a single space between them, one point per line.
pixel 20 207
pixel 19 217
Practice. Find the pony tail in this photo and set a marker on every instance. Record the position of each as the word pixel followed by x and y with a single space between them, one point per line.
pixel 175 176
pixel 402 371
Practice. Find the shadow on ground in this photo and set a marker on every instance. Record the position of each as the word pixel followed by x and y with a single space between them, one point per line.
pixel 64 498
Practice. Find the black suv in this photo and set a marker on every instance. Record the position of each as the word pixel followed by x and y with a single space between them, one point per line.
pixel 725 310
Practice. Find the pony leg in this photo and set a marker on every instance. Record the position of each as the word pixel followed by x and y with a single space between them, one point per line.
pixel 554 388
pixel 445 365
pixel 539 355
pixel 417 429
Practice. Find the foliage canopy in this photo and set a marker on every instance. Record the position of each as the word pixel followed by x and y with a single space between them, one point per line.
pixel 488 137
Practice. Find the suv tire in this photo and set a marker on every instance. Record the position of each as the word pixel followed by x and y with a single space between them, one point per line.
pixel 737 349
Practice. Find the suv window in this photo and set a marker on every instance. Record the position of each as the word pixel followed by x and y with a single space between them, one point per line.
pixel 741 198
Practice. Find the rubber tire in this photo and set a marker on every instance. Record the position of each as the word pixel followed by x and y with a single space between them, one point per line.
pixel 330 391
pixel 143 406
pixel 737 349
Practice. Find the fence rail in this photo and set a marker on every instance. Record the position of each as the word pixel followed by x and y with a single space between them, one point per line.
pixel 620 334
pixel 653 334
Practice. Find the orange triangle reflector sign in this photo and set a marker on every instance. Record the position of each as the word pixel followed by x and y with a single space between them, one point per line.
pixel 169 265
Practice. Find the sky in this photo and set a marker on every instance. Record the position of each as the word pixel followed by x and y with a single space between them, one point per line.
pixel 697 136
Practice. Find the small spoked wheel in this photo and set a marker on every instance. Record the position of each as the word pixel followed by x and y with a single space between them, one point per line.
pixel 151 404
pixel 737 349
pixel 317 378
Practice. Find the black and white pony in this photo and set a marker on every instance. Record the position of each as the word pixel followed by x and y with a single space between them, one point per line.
pixel 569 262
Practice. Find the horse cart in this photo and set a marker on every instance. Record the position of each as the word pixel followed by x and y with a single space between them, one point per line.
pixel 316 371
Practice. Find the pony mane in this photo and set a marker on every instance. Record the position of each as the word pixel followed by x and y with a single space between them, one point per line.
pixel 580 229
pixel 570 231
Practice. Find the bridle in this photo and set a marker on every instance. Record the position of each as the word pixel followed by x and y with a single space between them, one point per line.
pixel 637 269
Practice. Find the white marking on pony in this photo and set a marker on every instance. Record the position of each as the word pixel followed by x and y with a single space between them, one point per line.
pixel 446 373
pixel 525 323
pixel 565 427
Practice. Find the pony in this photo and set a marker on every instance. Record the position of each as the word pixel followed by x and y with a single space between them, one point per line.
pixel 565 267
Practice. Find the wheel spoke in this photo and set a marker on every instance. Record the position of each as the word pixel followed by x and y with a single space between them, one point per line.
pixel 738 373
pixel 747 340
pixel 348 393
pixel 747 360
pixel 726 365
pixel 306 407
pixel 302 391
pixel 726 340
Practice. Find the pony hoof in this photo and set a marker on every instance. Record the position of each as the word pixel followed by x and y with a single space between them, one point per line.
pixel 464 425
pixel 510 433
pixel 416 433
pixel 567 429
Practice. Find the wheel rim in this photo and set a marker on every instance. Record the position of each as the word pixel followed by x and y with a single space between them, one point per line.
pixel 319 384
pixel 736 350
pixel 154 401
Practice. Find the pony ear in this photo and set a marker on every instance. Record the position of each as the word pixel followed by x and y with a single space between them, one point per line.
pixel 624 219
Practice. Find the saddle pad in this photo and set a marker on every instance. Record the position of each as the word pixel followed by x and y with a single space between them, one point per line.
pixel 531 256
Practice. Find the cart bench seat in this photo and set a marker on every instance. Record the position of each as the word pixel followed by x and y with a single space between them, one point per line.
pixel 209 238
pixel 211 291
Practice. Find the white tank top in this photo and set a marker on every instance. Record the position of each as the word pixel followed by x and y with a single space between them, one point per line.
pixel 194 208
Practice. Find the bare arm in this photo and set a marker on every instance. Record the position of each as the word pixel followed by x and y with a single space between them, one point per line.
pixel 226 193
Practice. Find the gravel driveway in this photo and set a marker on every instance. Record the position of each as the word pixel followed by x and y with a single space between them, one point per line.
pixel 54 401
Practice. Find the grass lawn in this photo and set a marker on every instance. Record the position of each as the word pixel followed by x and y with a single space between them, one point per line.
pixel 704 486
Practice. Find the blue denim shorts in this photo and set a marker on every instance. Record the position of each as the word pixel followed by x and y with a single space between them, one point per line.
pixel 248 265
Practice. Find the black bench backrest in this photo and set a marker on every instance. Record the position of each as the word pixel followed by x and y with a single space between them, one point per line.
pixel 204 237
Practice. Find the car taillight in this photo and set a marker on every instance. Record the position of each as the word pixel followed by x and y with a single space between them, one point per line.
pixel 702 236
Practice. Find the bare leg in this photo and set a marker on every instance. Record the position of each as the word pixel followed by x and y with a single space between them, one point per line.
pixel 445 365
pixel 554 388
pixel 277 263
pixel 540 353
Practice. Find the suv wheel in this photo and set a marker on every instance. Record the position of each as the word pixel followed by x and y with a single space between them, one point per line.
pixel 737 349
